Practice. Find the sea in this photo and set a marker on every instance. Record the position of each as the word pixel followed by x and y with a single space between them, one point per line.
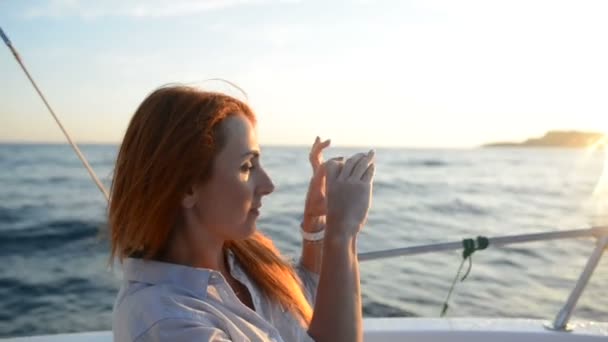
pixel 54 268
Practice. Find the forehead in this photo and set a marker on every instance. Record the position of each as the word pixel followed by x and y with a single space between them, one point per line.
pixel 240 134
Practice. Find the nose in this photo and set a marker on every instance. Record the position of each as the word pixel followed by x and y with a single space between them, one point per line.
pixel 266 186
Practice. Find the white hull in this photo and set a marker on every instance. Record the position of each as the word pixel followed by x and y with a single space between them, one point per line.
pixel 423 330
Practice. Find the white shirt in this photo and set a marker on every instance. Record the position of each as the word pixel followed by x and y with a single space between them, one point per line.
pixel 168 302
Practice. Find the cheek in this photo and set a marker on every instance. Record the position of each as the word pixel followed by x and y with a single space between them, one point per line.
pixel 225 200
pixel 239 194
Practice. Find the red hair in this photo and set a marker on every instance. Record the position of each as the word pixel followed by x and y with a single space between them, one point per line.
pixel 171 143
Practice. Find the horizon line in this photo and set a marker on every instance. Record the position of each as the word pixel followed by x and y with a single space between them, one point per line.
pixel 113 143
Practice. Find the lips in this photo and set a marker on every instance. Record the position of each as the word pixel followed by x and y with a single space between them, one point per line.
pixel 255 209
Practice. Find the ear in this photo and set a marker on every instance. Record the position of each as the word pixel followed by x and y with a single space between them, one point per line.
pixel 189 199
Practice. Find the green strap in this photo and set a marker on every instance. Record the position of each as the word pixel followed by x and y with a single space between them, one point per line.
pixel 469 247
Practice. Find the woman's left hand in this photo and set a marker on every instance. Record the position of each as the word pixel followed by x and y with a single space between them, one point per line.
pixel 316 201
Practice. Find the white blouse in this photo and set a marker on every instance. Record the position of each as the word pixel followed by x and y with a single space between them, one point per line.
pixel 169 302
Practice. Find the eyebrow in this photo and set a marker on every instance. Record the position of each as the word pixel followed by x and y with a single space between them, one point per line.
pixel 254 153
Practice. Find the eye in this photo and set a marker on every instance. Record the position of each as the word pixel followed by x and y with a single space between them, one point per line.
pixel 247 167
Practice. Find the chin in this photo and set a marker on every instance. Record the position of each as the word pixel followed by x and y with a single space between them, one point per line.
pixel 246 232
pixel 251 230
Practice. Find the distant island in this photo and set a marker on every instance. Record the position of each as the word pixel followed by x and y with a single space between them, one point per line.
pixel 572 139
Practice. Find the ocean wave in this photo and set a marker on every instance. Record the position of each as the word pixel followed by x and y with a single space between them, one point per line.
pixel 376 309
pixel 51 180
pixel 458 206
pixel 16 287
pixel 400 187
pixel 421 163
pixel 24 300
pixel 295 187
pixel 45 236
pixel 530 190
pixel 8 216
pixel 527 253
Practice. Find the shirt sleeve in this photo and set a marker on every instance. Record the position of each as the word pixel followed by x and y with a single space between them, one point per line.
pixel 182 330
pixel 310 281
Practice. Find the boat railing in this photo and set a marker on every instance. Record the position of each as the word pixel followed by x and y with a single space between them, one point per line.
pixel 561 320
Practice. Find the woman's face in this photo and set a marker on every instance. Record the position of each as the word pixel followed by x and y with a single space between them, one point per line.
pixel 228 203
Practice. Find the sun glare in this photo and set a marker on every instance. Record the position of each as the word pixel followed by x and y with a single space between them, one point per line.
pixel 600 192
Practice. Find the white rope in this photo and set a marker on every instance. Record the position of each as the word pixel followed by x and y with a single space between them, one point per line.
pixel 74 146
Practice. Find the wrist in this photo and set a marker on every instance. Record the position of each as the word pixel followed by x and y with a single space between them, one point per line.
pixel 342 231
pixel 337 241
pixel 313 224
pixel 313 237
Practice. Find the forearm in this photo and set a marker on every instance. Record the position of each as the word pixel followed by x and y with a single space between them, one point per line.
pixel 337 311
pixel 312 251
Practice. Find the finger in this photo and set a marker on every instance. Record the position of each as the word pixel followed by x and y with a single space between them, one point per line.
pixel 314 147
pixel 363 164
pixel 318 147
pixel 315 163
pixel 332 169
pixel 316 157
pixel 319 174
pixel 369 173
pixel 324 144
pixel 349 165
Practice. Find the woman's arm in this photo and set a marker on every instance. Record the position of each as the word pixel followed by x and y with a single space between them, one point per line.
pixel 315 208
pixel 312 251
pixel 337 312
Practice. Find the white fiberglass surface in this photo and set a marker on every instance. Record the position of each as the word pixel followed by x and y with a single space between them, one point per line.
pixel 423 330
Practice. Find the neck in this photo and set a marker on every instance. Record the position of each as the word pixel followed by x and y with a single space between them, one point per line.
pixel 192 245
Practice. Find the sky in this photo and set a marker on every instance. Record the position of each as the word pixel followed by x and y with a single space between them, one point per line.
pixel 422 74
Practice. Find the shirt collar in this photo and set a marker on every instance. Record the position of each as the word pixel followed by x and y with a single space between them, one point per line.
pixel 235 268
pixel 232 264
pixel 156 273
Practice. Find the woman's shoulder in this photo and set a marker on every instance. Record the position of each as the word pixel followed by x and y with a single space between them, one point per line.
pixel 140 307
pixel 166 313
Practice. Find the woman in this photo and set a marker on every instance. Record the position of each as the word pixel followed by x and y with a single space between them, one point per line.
pixel 186 193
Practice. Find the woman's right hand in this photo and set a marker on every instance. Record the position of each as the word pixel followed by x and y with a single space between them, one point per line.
pixel 349 194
